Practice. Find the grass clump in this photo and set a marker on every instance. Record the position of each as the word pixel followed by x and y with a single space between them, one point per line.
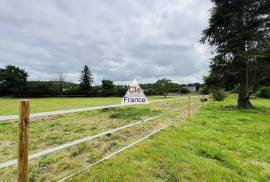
pixel 132 113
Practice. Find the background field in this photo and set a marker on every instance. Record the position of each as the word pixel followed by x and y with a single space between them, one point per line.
pixel 9 106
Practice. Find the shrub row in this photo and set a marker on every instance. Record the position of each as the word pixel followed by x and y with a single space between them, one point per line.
pixel 263 92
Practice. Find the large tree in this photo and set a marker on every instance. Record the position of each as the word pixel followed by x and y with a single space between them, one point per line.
pixel 107 87
pixel 86 81
pixel 61 80
pixel 163 86
pixel 12 80
pixel 238 30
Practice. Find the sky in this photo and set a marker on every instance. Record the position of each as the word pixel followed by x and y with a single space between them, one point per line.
pixel 119 40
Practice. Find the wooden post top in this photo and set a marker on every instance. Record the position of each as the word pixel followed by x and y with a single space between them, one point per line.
pixel 24 100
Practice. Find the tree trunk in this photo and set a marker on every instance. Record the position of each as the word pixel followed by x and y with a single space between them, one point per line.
pixel 243 98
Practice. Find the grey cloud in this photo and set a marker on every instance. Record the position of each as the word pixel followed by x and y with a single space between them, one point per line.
pixel 120 40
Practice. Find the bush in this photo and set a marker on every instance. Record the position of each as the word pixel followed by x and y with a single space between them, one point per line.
pixel 74 90
pixel 42 89
pixel 264 92
pixel 219 95
pixel 204 90
pixel 184 90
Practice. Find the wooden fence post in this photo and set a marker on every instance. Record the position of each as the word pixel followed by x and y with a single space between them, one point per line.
pixel 203 100
pixel 189 107
pixel 24 118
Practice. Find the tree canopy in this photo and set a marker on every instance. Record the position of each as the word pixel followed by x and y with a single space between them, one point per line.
pixel 86 81
pixel 12 80
pixel 238 30
pixel 163 86
pixel 264 64
pixel 107 87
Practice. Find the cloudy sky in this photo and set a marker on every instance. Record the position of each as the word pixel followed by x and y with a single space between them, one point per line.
pixel 119 39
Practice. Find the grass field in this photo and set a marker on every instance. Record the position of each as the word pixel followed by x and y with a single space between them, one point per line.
pixel 52 131
pixel 220 143
pixel 9 106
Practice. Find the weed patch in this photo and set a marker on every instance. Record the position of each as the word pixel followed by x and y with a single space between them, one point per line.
pixel 131 113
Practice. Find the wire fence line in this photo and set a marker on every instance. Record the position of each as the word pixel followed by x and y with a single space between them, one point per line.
pixel 122 149
pixel 53 113
pixel 76 142
pixel 24 120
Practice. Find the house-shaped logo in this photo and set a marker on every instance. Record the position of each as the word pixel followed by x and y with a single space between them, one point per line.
pixel 134 95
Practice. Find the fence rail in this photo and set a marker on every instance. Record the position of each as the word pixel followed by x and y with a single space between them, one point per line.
pixel 76 142
pixel 185 114
pixel 118 151
pixel 23 157
pixel 54 113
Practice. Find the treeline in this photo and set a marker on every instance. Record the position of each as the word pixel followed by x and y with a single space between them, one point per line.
pixel 51 88
pixel 13 82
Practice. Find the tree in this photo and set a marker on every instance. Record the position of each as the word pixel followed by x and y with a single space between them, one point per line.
pixel 163 86
pixel 61 80
pixel 107 87
pixel 184 90
pixel 219 78
pixel 120 90
pixel 86 81
pixel 238 30
pixel 264 64
pixel 197 85
pixel 12 80
pixel 42 89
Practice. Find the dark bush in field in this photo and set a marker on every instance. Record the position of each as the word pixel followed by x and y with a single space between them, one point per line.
pixel 218 94
pixel 184 90
pixel 264 92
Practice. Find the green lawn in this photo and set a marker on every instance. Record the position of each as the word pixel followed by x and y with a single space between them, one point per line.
pixel 9 106
pixel 52 131
pixel 220 143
